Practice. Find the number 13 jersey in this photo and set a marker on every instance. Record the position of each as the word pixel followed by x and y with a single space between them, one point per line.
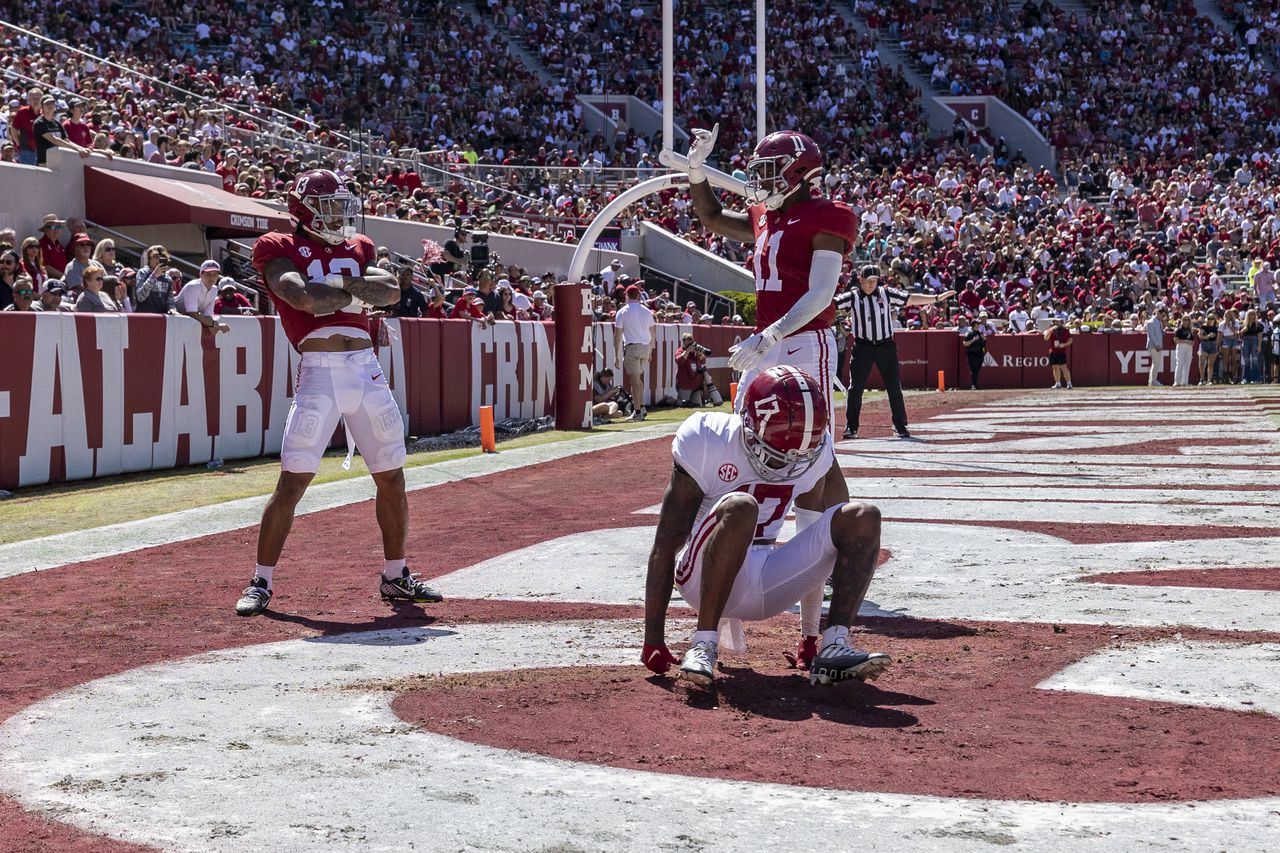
pixel 316 260
pixel 784 251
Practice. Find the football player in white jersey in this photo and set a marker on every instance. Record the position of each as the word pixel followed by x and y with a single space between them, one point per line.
pixel 735 478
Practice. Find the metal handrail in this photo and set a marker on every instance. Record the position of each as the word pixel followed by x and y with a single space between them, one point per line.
pixel 135 242
pixel 710 299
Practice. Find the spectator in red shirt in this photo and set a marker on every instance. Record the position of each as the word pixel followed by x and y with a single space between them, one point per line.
pixel 228 171
pixel 22 127
pixel 1059 338
pixel 468 306
pixel 230 301
pixel 76 129
pixel 52 252
pixel 437 310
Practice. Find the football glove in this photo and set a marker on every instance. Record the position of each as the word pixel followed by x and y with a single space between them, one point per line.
pixel 699 149
pixel 806 651
pixel 657 658
pixel 748 354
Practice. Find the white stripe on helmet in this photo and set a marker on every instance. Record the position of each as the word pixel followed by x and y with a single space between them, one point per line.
pixel 807 390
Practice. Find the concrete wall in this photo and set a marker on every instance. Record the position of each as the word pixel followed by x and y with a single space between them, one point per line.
pixel 1005 121
pixel 30 192
pixel 644 118
pixel 680 258
pixel 537 256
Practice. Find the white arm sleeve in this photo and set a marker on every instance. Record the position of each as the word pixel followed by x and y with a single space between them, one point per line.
pixel 824 275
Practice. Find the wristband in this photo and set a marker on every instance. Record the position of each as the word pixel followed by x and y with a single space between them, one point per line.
pixel 337 281
pixel 697 175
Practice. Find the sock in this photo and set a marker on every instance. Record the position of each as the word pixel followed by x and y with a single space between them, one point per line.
pixel 712 637
pixel 264 572
pixel 810 602
pixel 393 569
pixel 834 633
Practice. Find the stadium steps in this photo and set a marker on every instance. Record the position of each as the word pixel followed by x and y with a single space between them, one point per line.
pixel 518 48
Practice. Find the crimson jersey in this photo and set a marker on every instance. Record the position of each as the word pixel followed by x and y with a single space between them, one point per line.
pixel 316 260
pixel 784 251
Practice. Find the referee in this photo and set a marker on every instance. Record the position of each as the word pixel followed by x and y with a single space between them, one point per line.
pixel 872 307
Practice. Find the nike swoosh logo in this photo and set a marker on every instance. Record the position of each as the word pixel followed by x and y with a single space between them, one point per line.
pixel 793 351
pixel 792 221
pixel 376 377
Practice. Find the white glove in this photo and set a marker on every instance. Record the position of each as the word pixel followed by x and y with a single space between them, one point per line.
pixel 748 354
pixel 699 149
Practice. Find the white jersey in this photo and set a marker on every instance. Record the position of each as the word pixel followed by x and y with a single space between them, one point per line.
pixel 708 446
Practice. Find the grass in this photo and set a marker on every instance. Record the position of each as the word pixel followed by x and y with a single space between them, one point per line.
pixel 65 507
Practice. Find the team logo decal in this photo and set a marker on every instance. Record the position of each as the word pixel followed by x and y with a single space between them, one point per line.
pixel 305 251
pixel 764 219
pixel 728 472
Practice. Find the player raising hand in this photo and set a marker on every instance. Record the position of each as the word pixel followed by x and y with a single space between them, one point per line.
pixel 801 241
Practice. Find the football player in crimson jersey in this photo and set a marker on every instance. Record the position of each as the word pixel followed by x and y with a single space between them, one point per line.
pixel 801 241
pixel 322 279
pixel 734 480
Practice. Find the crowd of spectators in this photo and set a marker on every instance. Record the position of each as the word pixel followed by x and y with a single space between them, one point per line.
pixel 1127 75
pixel 64 269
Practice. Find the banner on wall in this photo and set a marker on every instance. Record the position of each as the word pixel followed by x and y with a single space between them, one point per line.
pixel 85 396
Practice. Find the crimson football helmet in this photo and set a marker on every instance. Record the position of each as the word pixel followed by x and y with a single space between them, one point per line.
pixel 782 163
pixel 323 206
pixel 784 422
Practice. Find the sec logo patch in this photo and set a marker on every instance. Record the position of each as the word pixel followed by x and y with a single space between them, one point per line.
pixel 728 472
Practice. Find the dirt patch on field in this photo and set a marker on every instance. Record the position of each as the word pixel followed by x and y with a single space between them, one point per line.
pixel 957 715
pixel 1092 534
pixel 1222 578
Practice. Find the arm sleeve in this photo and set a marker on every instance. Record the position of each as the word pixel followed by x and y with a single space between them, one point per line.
pixel 824 275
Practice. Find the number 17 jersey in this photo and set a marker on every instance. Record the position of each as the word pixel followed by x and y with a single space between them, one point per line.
pixel 708 446
pixel 784 252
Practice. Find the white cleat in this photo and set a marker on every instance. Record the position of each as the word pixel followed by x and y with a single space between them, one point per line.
pixel 699 664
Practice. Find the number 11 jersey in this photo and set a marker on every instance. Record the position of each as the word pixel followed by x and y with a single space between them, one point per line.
pixel 784 252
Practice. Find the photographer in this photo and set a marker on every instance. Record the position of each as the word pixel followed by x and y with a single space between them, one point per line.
pixel 693 386
pixel 153 291
pixel 608 401
pixel 457 254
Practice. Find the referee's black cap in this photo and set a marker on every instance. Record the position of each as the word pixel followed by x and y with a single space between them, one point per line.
pixel 870 271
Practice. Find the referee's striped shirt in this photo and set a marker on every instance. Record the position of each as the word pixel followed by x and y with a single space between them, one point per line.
pixel 872 316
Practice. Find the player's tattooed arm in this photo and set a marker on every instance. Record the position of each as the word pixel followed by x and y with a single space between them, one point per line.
pixel 675 522
pixel 713 216
pixel 375 287
pixel 315 298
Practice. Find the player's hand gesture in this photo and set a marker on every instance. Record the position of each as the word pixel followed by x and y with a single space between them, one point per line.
pixel 699 149
pixel 657 658
pixel 748 354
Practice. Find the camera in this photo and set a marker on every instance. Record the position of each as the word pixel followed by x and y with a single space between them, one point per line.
pixel 699 349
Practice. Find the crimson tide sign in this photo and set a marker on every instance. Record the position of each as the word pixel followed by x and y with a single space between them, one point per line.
pixel 85 396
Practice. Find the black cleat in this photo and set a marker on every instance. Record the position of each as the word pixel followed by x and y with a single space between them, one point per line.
pixel 407 587
pixel 850 433
pixel 254 599
pixel 902 433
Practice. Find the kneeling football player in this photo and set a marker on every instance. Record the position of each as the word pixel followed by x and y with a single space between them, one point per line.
pixel 734 480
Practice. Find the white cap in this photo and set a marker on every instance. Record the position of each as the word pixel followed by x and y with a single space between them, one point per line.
pixel 616 262
pixel 211 264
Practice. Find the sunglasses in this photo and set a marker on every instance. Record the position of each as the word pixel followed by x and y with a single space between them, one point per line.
pixel 24 292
